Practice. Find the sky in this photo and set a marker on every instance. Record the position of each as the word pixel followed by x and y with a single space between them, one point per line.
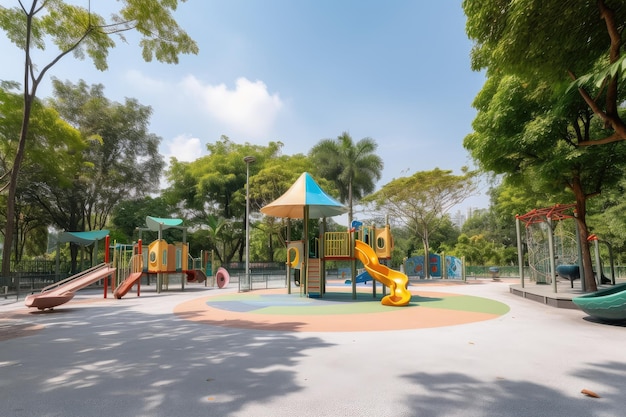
pixel 298 72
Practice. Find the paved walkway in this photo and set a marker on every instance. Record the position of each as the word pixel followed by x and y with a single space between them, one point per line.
pixel 185 354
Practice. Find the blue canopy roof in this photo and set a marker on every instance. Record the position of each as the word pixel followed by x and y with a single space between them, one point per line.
pixel 305 192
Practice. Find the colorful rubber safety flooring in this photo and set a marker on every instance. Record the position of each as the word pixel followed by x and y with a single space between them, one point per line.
pixel 337 311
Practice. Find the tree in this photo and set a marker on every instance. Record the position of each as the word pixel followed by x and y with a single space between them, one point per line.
pixel 354 168
pixel 532 133
pixel 544 41
pixel 214 185
pixel 607 220
pixel 477 250
pixel 272 180
pixel 123 156
pixel 75 30
pixel 53 157
pixel 420 201
pixel 130 214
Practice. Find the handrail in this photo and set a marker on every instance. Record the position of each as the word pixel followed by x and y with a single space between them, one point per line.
pixel 136 263
pixel 75 276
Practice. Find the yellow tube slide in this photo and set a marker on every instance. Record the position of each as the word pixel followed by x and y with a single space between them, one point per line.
pixel 395 280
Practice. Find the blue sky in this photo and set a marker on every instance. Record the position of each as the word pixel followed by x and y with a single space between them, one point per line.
pixel 300 71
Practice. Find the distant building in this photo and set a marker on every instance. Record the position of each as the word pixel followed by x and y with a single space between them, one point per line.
pixel 458 219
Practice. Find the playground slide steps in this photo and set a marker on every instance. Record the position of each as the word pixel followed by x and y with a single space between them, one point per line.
pixel 314 283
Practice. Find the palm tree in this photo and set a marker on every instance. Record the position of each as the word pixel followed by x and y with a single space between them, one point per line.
pixel 353 168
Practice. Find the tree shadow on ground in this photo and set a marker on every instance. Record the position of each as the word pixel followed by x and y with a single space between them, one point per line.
pixel 457 394
pixel 92 360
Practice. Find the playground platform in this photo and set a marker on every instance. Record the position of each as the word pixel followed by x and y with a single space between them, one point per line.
pixel 545 294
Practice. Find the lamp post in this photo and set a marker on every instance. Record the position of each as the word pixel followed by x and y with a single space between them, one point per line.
pixel 248 160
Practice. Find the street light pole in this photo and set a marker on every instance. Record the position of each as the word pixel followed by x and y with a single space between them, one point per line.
pixel 248 160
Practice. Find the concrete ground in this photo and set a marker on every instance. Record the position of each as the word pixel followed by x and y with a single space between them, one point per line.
pixel 135 357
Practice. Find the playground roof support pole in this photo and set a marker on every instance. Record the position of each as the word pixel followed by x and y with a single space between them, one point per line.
pixel 304 274
pixel 353 261
pixel 520 252
pixel 610 248
pixel 596 247
pixel 322 258
pixel 551 253
pixel 288 262
pixel 94 258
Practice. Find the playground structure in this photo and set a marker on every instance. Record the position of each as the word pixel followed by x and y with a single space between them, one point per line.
pixel 553 249
pixel 167 261
pixel 305 200
pixel 550 242
pixel 128 265
pixel 608 303
pixel 63 291
pixel 368 244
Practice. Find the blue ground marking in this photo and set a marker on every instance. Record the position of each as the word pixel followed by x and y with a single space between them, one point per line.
pixel 247 303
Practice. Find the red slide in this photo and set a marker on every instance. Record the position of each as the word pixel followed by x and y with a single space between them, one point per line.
pixel 63 291
pixel 127 284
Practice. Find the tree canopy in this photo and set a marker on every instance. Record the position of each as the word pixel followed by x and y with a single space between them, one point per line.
pixel 545 41
pixel 53 159
pixel 73 29
pixel 420 201
pixel 530 125
pixel 354 168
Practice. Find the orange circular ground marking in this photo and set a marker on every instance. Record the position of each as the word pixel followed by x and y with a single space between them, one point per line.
pixel 393 318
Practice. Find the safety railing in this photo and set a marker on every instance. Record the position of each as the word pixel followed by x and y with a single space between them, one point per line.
pixel 336 244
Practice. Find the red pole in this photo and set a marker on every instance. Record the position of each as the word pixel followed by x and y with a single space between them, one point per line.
pixel 107 241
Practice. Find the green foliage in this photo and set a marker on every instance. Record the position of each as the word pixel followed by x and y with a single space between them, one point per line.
pixel 420 202
pixel 52 159
pixel 531 126
pixel 211 193
pixel 122 158
pixel 537 38
pixel 75 30
pixel 354 168
pixel 128 215
pixel 478 251
pixel 444 236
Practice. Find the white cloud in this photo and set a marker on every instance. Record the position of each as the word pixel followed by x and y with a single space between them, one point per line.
pixel 248 109
pixel 183 148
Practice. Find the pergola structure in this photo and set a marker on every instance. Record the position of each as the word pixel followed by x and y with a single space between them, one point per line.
pixel 544 215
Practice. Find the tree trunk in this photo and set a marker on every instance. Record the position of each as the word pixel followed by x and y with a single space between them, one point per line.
pixel 581 223
pixel 590 280
pixel 270 249
pixel 29 96
pixel 426 255
pixel 15 170
pixel 350 213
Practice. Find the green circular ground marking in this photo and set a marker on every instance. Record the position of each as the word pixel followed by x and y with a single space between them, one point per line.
pixel 342 303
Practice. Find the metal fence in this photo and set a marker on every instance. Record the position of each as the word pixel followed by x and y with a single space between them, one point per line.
pixel 513 271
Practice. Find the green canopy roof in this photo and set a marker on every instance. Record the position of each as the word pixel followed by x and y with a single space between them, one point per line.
pixel 83 238
pixel 156 223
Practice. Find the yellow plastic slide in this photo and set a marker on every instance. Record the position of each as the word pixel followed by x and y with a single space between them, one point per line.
pixel 395 280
